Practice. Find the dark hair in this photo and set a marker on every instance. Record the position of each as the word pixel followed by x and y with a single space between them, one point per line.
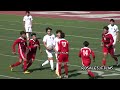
pixel 106 27
pixel 62 35
pixel 58 31
pixel 86 43
pixel 28 12
pixel 112 20
pixel 48 28
pixel 33 34
pixel 22 32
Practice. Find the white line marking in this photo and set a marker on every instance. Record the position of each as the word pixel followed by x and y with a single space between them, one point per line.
pixel 9 77
pixel 44 32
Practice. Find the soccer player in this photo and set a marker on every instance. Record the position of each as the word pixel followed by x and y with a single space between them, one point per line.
pixel 27 21
pixel 63 54
pixel 58 35
pixel 22 51
pixel 33 45
pixel 48 40
pixel 84 54
pixel 113 29
pixel 107 44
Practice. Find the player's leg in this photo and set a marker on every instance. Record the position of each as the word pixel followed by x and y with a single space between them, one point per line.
pixel 86 63
pixel 111 51
pixel 30 32
pixel 59 66
pixel 105 53
pixel 56 65
pixel 65 60
pixel 27 32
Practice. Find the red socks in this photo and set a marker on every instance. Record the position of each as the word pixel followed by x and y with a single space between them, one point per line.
pixel 29 65
pixel 66 69
pixel 25 65
pixel 103 62
pixel 16 64
pixel 91 73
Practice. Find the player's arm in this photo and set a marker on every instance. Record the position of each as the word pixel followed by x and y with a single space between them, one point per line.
pixel 14 46
pixel 93 55
pixel 102 41
pixel 44 43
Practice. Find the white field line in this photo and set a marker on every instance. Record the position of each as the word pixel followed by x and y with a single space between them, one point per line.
pixel 44 32
pixel 9 77
pixel 55 25
pixel 42 44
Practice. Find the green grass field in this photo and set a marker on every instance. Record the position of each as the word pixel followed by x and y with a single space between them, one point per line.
pixel 76 33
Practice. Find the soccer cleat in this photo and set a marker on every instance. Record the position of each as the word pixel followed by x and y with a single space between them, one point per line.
pixel 59 77
pixel 11 68
pixel 26 72
pixel 66 76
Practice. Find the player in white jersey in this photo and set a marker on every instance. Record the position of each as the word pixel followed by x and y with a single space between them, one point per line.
pixel 27 21
pixel 48 40
pixel 113 29
pixel 56 40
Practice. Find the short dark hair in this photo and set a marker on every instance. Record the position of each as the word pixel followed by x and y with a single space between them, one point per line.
pixel 106 27
pixel 112 20
pixel 28 12
pixel 86 43
pixel 62 35
pixel 48 28
pixel 33 34
pixel 58 31
pixel 22 32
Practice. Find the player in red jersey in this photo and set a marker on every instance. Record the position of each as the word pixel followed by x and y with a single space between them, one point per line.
pixel 107 44
pixel 22 51
pixel 84 54
pixel 63 49
pixel 33 45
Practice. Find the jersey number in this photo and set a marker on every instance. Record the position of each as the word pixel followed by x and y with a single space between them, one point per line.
pixel 85 52
pixel 64 44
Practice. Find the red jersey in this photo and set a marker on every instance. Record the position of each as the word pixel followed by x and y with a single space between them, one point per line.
pixel 31 45
pixel 63 46
pixel 22 45
pixel 107 39
pixel 85 53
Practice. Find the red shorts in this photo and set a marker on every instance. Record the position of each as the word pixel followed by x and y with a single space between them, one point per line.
pixel 30 56
pixel 63 58
pixel 108 50
pixel 86 62
pixel 22 55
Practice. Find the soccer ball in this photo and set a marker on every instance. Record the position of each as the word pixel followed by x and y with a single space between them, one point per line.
pixel 50 47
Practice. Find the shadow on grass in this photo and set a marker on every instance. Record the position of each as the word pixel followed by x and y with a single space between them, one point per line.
pixel 38 69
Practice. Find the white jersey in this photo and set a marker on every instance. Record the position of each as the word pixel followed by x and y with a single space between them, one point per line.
pixel 27 20
pixel 56 40
pixel 49 39
pixel 113 30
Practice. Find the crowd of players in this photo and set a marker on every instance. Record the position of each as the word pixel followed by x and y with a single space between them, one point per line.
pixel 28 44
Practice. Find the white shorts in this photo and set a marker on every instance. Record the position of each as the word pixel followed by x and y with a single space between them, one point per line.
pixel 115 39
pixel 49 54
pixel 28 29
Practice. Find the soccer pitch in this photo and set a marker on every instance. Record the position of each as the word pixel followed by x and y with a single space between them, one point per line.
pixel 76 32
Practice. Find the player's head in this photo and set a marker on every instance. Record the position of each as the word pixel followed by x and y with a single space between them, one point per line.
pixel 105 28
pixel 23 34
pixel 112 21
pixel 62 35
pixel 33 35
pixel 58 33
pixel 86 43
pixel 27 13
pixel 48 30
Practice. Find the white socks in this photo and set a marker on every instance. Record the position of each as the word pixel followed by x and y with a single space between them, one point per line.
pixel 46 62
pixel 52 64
